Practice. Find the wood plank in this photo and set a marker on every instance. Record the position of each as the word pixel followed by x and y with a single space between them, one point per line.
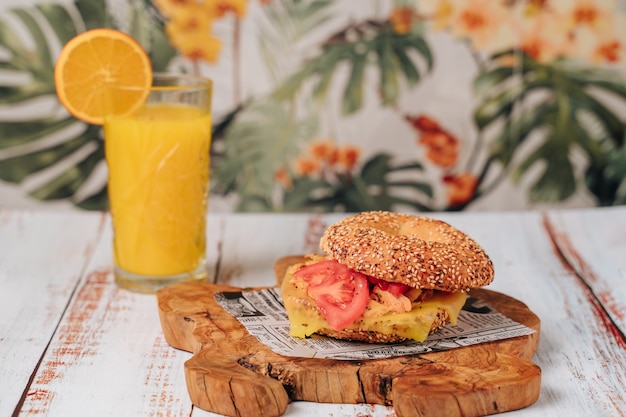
pixel 108 356
pixel 597 255
pixel 43 257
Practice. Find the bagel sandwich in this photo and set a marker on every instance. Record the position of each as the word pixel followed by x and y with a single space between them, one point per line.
pixel 384 277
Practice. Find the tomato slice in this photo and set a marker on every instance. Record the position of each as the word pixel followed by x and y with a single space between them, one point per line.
pixel 340 292
pixel 395 288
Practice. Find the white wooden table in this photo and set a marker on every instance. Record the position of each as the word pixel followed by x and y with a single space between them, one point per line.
pixel 73 344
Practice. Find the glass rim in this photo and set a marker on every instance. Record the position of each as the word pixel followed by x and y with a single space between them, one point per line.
pixel 187 82
pixel 191 80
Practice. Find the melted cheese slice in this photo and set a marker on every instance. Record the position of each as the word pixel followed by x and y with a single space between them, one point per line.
pixel 305 320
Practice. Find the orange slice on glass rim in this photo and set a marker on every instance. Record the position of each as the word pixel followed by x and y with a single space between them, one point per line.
pixel 93 61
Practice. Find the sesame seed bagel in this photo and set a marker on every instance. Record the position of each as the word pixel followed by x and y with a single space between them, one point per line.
pixel 413 250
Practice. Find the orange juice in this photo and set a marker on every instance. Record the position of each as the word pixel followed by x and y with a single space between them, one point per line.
pixel 158 161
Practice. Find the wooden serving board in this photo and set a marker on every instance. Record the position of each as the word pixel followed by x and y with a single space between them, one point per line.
pixel 233 374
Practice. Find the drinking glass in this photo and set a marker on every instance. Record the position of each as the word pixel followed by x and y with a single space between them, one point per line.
pixel 158 161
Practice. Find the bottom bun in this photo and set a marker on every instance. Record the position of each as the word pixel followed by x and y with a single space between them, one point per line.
pixel 372 336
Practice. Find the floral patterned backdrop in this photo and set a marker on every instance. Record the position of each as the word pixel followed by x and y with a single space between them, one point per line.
pixel 345 105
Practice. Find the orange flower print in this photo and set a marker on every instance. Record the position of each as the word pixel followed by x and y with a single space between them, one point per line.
pixel 324 150
pixel 324 159
pixel 333 157
pixel 585 15
pixel 460 188
pixel 401 20
pixel 609 51
pixel 423 124
pixel 306 166
pixel 348 156
pixel 281 176
pixel 441 147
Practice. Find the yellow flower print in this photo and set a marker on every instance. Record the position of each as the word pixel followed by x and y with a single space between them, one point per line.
pixel 439 11
pixel 206 48
pixel 598 48
pixel 189 31
pixel 534 7
pixel 190 22
pixel 596 29
pixel 171 7
pixel 488 24
pixel 594 14
pixel 545 36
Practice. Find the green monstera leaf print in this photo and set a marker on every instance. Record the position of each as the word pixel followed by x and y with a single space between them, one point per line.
pixel 368 43
pixel 63 153
pixel 550 114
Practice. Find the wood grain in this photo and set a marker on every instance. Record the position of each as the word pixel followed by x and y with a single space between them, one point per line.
pixel 42 256
pixel 108 355
pixel 593 262
pixel 234 374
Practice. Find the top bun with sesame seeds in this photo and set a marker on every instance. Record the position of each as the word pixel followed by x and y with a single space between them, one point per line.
pixel 417 251
pixel 385 277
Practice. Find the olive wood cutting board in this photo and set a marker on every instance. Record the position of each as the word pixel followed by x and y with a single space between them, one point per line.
pixel 233 374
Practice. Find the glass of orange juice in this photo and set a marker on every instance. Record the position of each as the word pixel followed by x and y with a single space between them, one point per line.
pixel 158 161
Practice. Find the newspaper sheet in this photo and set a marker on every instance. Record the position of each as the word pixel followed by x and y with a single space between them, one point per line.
pixel 264 316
